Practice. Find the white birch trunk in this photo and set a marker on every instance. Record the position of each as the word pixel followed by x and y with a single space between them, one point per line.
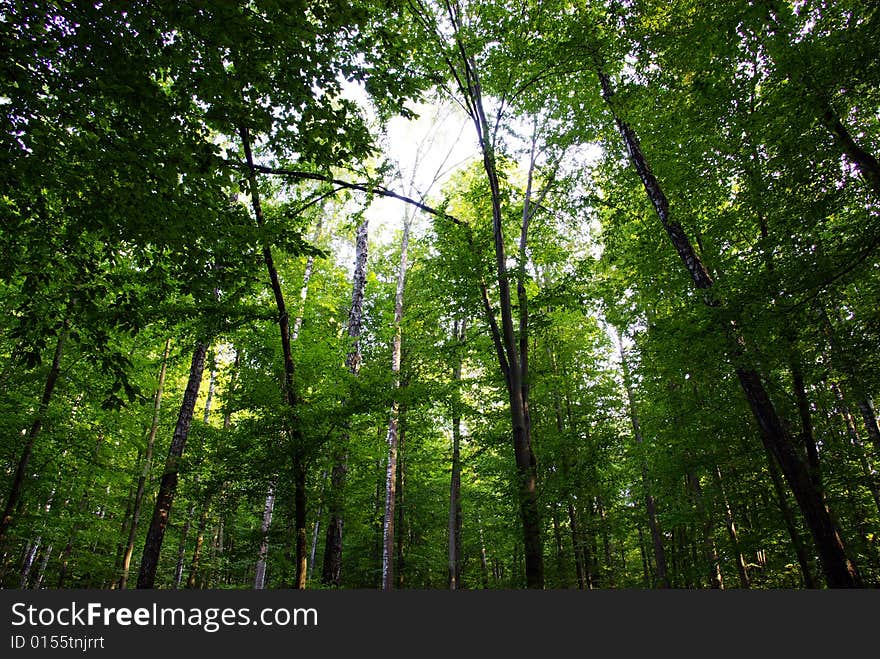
pixel 260 573
pixel 393 437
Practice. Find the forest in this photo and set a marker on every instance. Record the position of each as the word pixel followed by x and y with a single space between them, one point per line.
pixel 440 294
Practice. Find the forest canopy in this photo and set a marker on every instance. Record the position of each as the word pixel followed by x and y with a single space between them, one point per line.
pixel 453 294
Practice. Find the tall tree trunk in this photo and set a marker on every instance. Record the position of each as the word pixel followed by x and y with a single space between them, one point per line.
pixel 168 484
pixel 289 392
pixel 808 439
pixel 454 525
pixel 393 436
pixel 561 578
pixel 513 363
pixel 145 472
pixel 14 497
pixel 268 507
pixel 260 572
pixel 331 574
pixel 741 566
pixel 650 504
pixel 646 569
pixel 839 570
pixel 787 516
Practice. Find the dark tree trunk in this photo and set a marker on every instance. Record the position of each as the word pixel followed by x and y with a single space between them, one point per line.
pixel 790 525
pixel 145 472
pixel 864 161
pixel 513 362
pixel 839 570
pixel 289 392
pixel 14 497
pixel 299 506
pixel 168 484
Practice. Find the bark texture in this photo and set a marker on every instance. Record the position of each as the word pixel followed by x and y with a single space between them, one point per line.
pixel 168 484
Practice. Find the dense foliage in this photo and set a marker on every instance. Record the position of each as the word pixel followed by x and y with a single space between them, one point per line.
pixel 639 330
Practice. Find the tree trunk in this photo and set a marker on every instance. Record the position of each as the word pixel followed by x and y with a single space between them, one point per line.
pixel 606 544
pixel 577 541
pixel 260 572
pixel 317 528
pixel 168 484
pixel 42 572
pixel 650 504
pixel 839 570
pixel 741 567
pixel 513 363
pixel 299 508
pixel 145 473
pixel 484 563
pixel 331 574
pixel 30 555
pixel 400 492
pixel 787 516
pixel 561 579
pixel 289 392
pixel 809 441
pixel 454 525
pixel 864 161
pixel 392 437
pixel 14 497
pixel 197 552
pixel 181 547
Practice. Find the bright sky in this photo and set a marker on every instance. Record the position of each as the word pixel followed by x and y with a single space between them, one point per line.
pixel 426 150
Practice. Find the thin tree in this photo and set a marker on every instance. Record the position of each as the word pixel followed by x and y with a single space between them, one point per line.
pixel 839 569
pixel 650 504
pixel 145 471
pixel 459 330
